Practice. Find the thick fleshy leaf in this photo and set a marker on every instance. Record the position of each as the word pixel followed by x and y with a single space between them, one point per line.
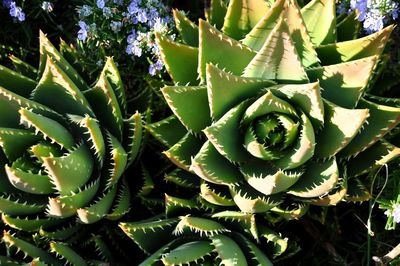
pixel 122 203
pixel 66 252
pixel 66 206
pixel 42 150
pixel 180 60
pixel 105 105
pixel 16 205
pixel 355 49
pixel 225 134
pixel 49 128
pixel 29 182
pixel 348 28
pixel 14 149
pixel 320 19
pixel 278 58
pixel 302 150
pixel 110 70
pixel 240 221
pixel 187 29
pixel 337 131
pixel 30 225
pixel 356 191
pixel 215 48
pixel 216 12
pixel 92 134
pixel 99 209
pixel 256 38
pixel 318 179
pixel 292 212
pixel 199 226
pixel 78 163
pixel 144 233
pixel 280 244
pixel 60 234
pixel 183 179
pixel 182 152
pixel 117 162
pixel 334 196
pixel 23 68
pixel 225 90
pixel 376 156
pixel 268 180
pixel 29 249
pixel 382 119
pixel 190 105
pixel 16 82
pixel 242 16
pixel 10 104
pixel 250 200
pixel 345 83
pixel 257 255
pixel 213 167
pixel 168 131
pixel 57 91
pixel 228 250
pixel 218 195
pixel 134 137
pixel 177 206
pixel 48 50
pixel 307 97
pixel 187 253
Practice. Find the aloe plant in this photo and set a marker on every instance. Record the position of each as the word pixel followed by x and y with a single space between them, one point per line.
pixel 270 110
pixel 65 146
pixel 194 232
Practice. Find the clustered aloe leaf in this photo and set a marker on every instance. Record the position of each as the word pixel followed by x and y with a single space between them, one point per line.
pixel 271 110
pixel 65 146
pixel 188 234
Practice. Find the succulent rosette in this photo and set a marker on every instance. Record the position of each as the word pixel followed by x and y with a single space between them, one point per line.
pixel 64 149
pixel 272 110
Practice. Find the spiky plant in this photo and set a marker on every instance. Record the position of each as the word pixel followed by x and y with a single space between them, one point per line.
pixel 192 232
pixel 272 110
pixel 64 149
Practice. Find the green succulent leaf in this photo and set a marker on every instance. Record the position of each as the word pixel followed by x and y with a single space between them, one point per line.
pixel 345 83
pixel 217 48
pixel 190 105
pixel 278 58
pixel 320 19
pixel 29 249
pixel 122 203
pixel 60 234
pixel 213 167
pixel 118 161
pixel 228 250
pixel 200 226
pixel 215 194
pixel 16 82
pixel 15 149
pixel 30 225
pixel 337 131
pixel 168 131
pixel 187 29
pixel 370 45
pixel 57 91
pixel 381 120
pixel 66 252
pixel 242 16
pixel 187 253
pixel 225 90
pixel 180 60
pixel 78 163
pixel 215 14
pixel 23 68
pixel 29 182
pixel 13 205
pixel 318 179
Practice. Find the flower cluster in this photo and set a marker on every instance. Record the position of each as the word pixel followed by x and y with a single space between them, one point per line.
pixel 114 23
pixel 374 14
pixel 394 212
pixel 14 10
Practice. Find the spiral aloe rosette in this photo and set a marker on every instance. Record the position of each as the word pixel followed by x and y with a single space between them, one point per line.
pixel 272 108
pixel 64 145
pixel 221 237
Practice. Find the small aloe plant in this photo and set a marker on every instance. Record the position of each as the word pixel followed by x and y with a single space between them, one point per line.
pixel 64 149
pixel 194 232
pixel 271 110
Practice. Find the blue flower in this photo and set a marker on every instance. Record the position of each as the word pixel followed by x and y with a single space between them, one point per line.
pixel 47 6
pixel 116 26
pixel 7 3
pixel 107 12
pixel 142 16
pixel 83 32
pixel 134 49
pixel 396 213
pixel 85 11
pixel 16 12
pixel 100 3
